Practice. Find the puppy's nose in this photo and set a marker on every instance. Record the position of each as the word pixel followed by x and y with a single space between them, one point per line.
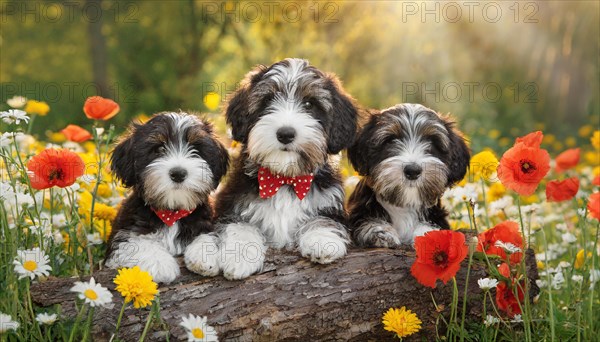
pixel 178 174
pixel 286 134
pixel 412 171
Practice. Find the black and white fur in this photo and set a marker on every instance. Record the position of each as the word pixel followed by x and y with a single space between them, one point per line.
pixel 171 162
pixel 293 119
pixel 408 155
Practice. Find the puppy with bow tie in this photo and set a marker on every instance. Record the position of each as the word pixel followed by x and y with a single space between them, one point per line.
pixel 284 190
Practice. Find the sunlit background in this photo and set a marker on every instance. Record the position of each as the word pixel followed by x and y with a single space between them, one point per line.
pixel 502 68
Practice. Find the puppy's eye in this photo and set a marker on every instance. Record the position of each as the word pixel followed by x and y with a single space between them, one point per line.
pixel 160 149
pixel 307 105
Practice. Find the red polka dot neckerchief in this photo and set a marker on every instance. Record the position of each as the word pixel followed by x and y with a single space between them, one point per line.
pixel 169 217
pixel 269 183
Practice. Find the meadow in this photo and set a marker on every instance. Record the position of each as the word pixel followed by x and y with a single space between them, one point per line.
pixel 58 197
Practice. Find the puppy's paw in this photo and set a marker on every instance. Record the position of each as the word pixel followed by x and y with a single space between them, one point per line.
pixel 323 245
pixel 202 256
pixel 242 251
pixel 384 236
pixel 162 267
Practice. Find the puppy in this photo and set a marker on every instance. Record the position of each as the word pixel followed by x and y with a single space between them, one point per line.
pixel 408 155
pixel 171 163
pixel 284 190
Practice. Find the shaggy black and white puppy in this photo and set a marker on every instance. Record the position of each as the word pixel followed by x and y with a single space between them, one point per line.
pixel 284 190
pixel 408 155
pixel 172 163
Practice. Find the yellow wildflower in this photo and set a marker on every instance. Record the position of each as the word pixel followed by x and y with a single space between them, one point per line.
pixel 104 212
pixel 595 139
pixel 570 141
pixel 56 137
pixel 540 265
pixel 401 321
pixel 549 139
pixel 580 258
pixel 585 131
pixel 136 285
pixel 495 192
pixel 40 108
pixel 212 100
pixel 483 164
pixel 592 157
pixel 558 146
pixel 494 134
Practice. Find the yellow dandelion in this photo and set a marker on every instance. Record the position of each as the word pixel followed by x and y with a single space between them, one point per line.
pixel 37 107
pixel 136 285
pixel 585 131
pixel 540 265
pixel 495 192
pixel 401 321
pixel 580 258
pixel 592 157
pixel 549 139
pixel 483 165
pixel 494 134
pixel 595 139
pixel 104 190
pixel 212 100
pixel 571 142
pixel 104 212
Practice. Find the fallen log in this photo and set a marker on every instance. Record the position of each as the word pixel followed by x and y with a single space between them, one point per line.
pixel 290 300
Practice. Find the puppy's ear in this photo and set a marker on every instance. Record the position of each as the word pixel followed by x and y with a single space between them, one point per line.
pixel 214 153
pixel 122 160
pixel 359 152
pixel 238 111
pixel 343 116
pixel 459 154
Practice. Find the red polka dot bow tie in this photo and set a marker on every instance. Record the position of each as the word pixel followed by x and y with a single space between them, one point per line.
pixel 169 217
pixel 269 183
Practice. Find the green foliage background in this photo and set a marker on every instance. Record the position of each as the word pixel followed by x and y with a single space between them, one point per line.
pixel 166 55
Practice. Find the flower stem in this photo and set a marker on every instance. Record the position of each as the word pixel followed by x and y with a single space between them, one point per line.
pixel 116 334
pixel 88 325
pixel 464 304
pixel 76 324
pixel 150 315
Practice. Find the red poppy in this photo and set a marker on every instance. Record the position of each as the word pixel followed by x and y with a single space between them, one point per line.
pixel 533 139
pixel 567 160
pixel 558 191
pixel 54 168
pixel 439 253
pixel 524 165
pixel 507 232
pixel 505 293
pixel 99 108
pixel 594 205
pixel 76 133
pixel 596 180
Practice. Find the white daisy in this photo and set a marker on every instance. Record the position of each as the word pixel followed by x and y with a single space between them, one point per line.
pixel 45 318
pixel 14 116
pixel 508 247
pixel 577 278
pixel 558 280
pixel 94 239
pixel 541 283
pixel 6 323
pixel 92 293
pixel 501 204
pixel 487 283
pixel 517 319
pixel 198 330
pixel 568 238
pixel 17 101
pixel 594 276
pixel 491 320
pixel 32 263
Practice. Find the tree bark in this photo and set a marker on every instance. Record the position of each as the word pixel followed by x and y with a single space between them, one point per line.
pixel 98 51
pixel 290 300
